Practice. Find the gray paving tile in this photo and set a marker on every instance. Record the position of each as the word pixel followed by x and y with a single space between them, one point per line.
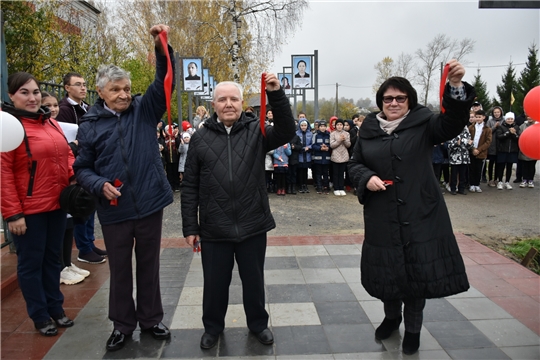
pixel 310 250
pixel 323 276
pixel 300 340
pixel 292 314
pixel 241 342
pixel 523 352
pixel 272 251
pixel 273 263
pixel 351 275
pixel 458 335
pixel 288 293
pixel 235 294
pixel 479 309
pixel 331 292
pixel 185 344
pixel 341 313
pixel 352 338
pixel 272 277
pixel 385 355
pixel 507 332
pixel 470 354
pixel 359 291
pixel 346 261
pixel 342 249
pixel 316 262
pixel 441 310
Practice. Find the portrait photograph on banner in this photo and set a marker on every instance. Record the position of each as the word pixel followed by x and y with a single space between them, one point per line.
pixel 302 70
pixel 192 73
pixel 205 88
pixel 285 81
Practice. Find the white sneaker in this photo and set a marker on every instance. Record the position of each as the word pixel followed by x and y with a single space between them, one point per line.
pixel 531 184
pixel 500 185
pixel 477 188
pixel 448 187
pixel 78 270
pixel 342 192
pixel 507 186
pixel 472 188
pixel 68 277
pixel 523 184
pixel 337 193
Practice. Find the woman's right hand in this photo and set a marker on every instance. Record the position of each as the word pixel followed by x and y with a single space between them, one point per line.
pixel 375 184
pixel 17 227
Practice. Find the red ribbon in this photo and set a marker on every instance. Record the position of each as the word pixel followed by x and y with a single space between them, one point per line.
pixel 262 113
pixel 118 185
pixel 443 84
pixel 167 82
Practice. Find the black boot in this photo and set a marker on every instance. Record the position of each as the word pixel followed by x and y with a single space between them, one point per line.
pixel 293 189
pixel 387 327
pixel 411 343
pixel 289 186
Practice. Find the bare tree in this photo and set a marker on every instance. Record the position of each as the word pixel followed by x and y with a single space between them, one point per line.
pixel 439 50
pixel 405 65
pixel 385 69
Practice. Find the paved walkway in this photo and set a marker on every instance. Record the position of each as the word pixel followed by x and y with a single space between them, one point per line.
pixel 318 310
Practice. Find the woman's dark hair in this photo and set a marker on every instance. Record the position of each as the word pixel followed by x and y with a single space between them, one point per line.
pixel 400 84
pixel 301 61
pixel 45 94
pixel 18 79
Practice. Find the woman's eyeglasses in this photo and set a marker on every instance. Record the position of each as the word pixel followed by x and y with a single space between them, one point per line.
pixel 400 99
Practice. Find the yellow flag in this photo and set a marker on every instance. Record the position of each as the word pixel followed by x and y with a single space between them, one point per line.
pixel 512 99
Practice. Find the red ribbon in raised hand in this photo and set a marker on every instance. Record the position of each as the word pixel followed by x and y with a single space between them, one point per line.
pixel 167 83
pixel 262 113
pixel 443 84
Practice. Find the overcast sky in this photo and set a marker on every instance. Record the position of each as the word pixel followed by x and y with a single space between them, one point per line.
pixel 352 36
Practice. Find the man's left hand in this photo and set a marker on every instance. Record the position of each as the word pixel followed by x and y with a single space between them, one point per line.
pixel 272 82
pixel 154 31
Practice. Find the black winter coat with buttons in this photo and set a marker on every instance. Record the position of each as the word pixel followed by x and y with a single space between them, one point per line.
pixel 224 196
pixel 409 247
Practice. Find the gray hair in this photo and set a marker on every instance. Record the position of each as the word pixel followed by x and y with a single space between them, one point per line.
pixel 238 86
pixel 108 73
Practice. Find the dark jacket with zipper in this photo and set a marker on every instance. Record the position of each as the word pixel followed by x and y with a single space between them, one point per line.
pixel 409 248
pixel 124 147
pixel 70 113
pixel 224 195
pixel 506 141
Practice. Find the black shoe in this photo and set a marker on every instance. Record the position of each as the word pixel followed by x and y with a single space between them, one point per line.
pixel 411 343
pixel 100 252
pixel 453 192
pixel 462 192
pixel 517 181
pixel 63 321
pixel 293 189
pixel 306 189
pixel 91 258
pixel 265 337
pixel 387 327
pixel 288 191
pixel 208 341
pixel 47 328
pixel 116 341
pixel 159 331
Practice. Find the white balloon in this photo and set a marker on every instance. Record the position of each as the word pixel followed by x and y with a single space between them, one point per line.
pixel 11 132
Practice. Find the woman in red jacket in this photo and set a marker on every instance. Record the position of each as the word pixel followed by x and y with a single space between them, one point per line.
pixel 32 177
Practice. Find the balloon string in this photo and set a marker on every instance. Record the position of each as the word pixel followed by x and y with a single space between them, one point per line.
pixel 262 114
pixel 443 84
pixel 167 83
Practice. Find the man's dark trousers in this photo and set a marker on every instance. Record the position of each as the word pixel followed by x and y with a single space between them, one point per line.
pixel 218 262
pixel 120 238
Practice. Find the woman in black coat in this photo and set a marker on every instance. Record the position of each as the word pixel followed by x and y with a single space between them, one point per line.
pixel 410 252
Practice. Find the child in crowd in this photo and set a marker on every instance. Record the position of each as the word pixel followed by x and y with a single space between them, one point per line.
pixel 458 154
pixel 507 150
pixel 296 147
pixel 182 150
pixel 529 165
pixel 281 165
pixel 481 136
pixel 493 123
pixel 321 158
pixel 304 156
pixel 340 141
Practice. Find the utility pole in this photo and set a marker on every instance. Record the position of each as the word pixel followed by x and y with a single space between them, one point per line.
pixel 337 106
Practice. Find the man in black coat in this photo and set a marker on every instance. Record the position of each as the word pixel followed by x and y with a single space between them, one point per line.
pixel 225 205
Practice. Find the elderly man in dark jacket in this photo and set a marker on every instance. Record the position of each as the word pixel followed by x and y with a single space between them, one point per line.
pixel 119 162
pixel 225 204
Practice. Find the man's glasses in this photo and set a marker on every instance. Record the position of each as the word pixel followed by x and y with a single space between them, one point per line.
pixel 400 99
pixel 79 85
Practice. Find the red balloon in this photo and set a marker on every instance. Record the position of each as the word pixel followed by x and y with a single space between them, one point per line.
pixel 529 142
pixel 531 103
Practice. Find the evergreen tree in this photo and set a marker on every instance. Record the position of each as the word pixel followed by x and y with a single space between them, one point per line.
pixel 482 95
pixel 508 88
pixel 529 78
